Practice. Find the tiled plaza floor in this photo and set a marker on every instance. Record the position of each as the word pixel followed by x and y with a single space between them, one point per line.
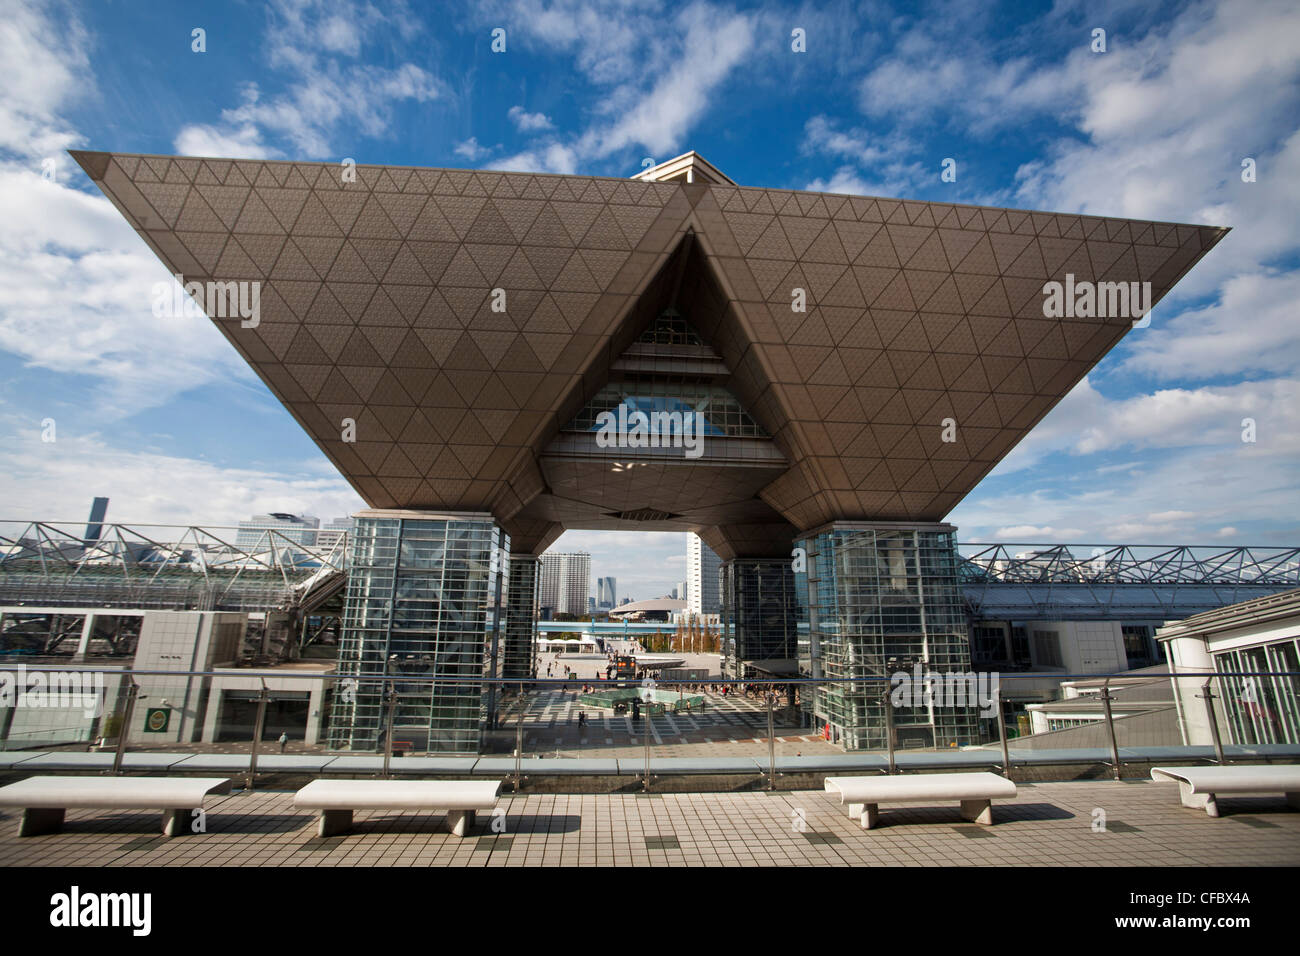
pixel 731 727
pixel 1048 824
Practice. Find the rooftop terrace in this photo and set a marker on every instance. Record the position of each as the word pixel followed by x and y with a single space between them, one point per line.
pixel 1047 824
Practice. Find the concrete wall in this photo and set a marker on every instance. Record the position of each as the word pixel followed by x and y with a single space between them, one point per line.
pixel 1158 728
pixel 181 641
pixel 1087 647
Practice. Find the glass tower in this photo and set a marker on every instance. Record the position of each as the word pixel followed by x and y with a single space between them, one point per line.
pixel 519 649
pixel 423 600
pixel 881 600
pixel 760 613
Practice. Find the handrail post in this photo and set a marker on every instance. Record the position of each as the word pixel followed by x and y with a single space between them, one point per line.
pixel 646 732
pixel 889 729
pixel 771 741
pixel 388 726
pixel 1208 697
pixel 1002 733
pixel 259 725
pixel 1110 727
pixel 132 690
pixel 519 738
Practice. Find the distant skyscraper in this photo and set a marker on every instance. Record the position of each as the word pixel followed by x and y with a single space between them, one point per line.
pixel 98 508
pixel 606 592
pixel 702 566
pixel 566 582
pixel 331 531
pixel 299 529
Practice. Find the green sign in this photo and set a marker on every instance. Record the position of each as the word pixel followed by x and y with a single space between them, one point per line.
pixel 156 720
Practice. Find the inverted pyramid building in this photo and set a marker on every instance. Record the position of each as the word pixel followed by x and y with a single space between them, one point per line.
pixel 859 362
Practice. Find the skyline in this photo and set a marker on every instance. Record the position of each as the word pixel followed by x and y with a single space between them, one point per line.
pixel 163 417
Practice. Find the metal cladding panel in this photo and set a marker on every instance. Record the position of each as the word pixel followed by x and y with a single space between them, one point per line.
pixel 377 305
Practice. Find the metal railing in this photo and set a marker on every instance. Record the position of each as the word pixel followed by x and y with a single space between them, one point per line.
pixel 1249 715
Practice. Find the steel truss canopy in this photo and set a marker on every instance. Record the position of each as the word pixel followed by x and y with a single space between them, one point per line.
pixel 1116 582
pixel 466 320
pixel 170 566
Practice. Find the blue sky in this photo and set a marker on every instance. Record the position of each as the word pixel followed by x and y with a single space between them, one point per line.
pixel 163 416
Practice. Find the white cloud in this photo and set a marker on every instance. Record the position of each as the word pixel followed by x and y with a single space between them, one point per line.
pixel 1251 329
pixel 1196 478
pixel 607 39
pixel 658 67
pixel 883 155
pixel 1087 422
pixel 313 41
pixel 1028 533
pixel 243 142
pixel 471 150
pixel 1184 418
pixel 1160 125
pixel 1243 495
pixel 1165 123
pixel 47 50
pixel 822 135
pixel 75 279
pixel 846 180
pixel 924 79
pixel 714 43
pixel 553 158
pixel 527 122
pixel 45 479
pixel 76 288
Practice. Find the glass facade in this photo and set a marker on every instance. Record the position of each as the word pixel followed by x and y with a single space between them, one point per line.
pixel 722 414
pixel 670 328
pixel 883 600
pixel 423 600
pixel 761 612
pixel 1262 710
pixel 519 649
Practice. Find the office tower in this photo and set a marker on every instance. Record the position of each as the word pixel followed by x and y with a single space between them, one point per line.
pixel 98 508
pixel 330 532
pixel 606 593
pixel 566 582
pixel 298 529
pixel 702 567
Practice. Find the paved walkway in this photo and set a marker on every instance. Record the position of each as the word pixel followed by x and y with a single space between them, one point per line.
pixel 1048 824
pixel 731 727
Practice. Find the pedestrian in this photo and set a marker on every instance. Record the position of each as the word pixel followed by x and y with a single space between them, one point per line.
pixel 284 739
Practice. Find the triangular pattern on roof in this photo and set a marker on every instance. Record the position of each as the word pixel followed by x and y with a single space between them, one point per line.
pixel 458 316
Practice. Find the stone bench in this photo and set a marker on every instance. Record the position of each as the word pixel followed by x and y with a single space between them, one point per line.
pixel 974 792
pixel 337 799
pixel 46 800
pixel 1199 786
